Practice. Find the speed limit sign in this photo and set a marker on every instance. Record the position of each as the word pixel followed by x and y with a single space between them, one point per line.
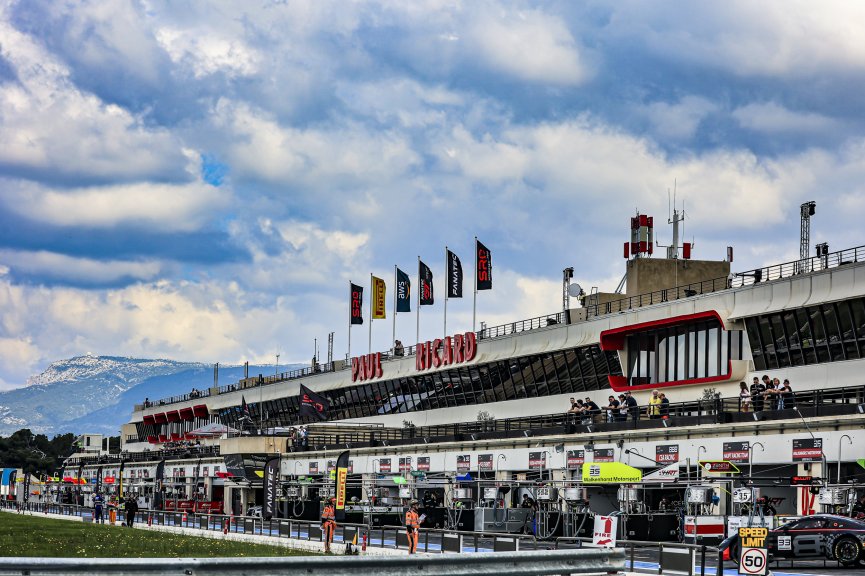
pixel 753 561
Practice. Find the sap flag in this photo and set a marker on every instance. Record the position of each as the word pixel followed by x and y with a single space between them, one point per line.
pixel 669 473
pixel 604 534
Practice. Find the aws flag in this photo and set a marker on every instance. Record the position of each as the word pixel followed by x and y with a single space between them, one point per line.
pixel 403 291
pixel 312 404
pixel 356 304
pixel 485 267
pixel 455 276
pixel 341 481
pixel 426 284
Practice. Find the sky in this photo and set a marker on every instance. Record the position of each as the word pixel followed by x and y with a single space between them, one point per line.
pixel 201 180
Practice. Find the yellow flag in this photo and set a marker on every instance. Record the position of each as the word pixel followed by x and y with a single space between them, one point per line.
pixel 378 298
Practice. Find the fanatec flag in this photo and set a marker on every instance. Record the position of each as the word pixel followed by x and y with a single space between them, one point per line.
pixel 341 480
pixel 312 404
pixel 356 304
pixel 426 284
pixel 379 299
pixel 271 482
pixel 26 487
pixel 403 291
pixel 99 479
pixel 485 267
pixel 455 276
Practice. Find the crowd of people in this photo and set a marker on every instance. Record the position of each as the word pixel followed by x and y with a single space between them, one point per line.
pixel 299 437
pixel 766 394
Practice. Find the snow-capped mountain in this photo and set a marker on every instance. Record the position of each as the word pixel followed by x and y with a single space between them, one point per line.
pixel 97 393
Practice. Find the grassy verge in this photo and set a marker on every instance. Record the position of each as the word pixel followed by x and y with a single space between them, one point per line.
pixel 36 536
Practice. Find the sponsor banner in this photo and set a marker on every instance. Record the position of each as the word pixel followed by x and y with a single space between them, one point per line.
pixel 485 267
pixel 736 452
pixel 807 449
pixel 384 465
pixel 271 485
pixel 312 404
pixel 666 453
pixel 719 466
pixel 342 468
pixel 356 304
pixel 537 459
pixel 403 291
pixel 423 463
pixel 604 533
pixel 464 462
pixel 604 455
pixel 575 458
pixel 485 461
pixel 379 298
pixel 455 276
pixel 313 467
pixel 405 464
pixel 425 276
pixel 610 473
pixel 669 473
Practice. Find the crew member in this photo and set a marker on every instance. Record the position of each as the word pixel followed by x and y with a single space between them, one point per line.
pixel 98 509
pixel 859 508
pixel 328 523
pixel 412 526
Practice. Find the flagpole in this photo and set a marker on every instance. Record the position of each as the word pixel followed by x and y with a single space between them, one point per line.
pixel 371 298
pixel 447 291
pixel 395 287
pixel 350 304
pixel 419 290
pixel 475 300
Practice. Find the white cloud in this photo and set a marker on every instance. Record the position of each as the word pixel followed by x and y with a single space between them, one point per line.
pixel 680 120
pixel 161 207
pixel 528 45
pixel 205 52
pixel 78 270
pixel 772 118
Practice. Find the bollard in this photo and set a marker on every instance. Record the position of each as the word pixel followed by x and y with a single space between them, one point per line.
pixel 150 519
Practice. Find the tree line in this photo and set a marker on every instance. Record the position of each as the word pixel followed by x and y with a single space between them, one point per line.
pixel 36 454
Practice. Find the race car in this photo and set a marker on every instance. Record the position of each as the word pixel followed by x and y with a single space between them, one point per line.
pixel 817 536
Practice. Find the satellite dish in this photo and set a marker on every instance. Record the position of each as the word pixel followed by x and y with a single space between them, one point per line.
pixel 575 290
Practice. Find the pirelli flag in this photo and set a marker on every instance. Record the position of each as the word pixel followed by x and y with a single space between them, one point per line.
pixel 378 298
pixel 341 481
pixel 356 304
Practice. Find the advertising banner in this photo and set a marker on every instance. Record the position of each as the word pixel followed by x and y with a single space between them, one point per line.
pixel 807 449
pixel 575 459
pixel 464 462
pixel 610 473
pixel 485 462
pixel 604 455
pixel 736 452
pixel 666 453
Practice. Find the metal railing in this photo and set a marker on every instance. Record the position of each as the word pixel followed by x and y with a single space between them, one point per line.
pixel 764 274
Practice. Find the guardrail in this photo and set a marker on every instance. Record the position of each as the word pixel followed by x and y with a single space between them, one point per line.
pixel 583 561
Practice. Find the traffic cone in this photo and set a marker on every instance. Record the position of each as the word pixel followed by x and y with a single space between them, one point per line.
pixel 184 518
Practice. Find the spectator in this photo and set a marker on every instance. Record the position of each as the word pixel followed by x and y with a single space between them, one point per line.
pixel 744 397
pixel 632 405
pixel 787 399
pixel 612 409
pixel 757 390
pixel 303 436
pixel 770 396
pixel 590 407
pixel 398 349
pixel 654 406
pixel 622 416
pixel 665 407
pixel 576 407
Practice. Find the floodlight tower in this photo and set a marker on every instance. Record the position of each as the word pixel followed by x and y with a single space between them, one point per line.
pixel 807 210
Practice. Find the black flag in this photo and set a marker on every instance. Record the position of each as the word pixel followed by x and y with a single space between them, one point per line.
pixel 455 276
pixel 271 485
pixel 485 267
pixel 26 486
pixel 98 480
pixel 426 284
pixel 356 304
pixel 157 485
pixel 312 404
pixel 403 291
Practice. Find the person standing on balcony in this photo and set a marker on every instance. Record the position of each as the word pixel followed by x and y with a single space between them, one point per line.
pixel 654 406
pixel 744 397
pixel 632 407
pixel 757 390
pixel 665 406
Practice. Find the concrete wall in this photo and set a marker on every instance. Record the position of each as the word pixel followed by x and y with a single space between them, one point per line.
pixel 651 274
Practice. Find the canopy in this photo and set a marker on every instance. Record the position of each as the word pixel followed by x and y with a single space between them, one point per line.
pixel 213 430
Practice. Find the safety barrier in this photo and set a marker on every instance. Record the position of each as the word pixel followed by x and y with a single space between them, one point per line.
pixel 584 561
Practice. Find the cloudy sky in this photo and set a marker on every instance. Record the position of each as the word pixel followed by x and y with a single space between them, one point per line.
pixel 200 180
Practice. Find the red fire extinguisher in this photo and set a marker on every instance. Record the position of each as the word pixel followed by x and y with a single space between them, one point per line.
pixel 363 543
pixel 225 526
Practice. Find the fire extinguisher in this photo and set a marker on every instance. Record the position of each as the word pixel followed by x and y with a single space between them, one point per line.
pixel 363 543
pixel 225 526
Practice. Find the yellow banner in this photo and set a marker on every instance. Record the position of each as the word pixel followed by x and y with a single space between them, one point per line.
pixel 610 473
pixel 378 298
pixel 341 477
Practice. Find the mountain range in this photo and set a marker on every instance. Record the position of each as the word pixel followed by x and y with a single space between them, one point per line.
pixel 96 394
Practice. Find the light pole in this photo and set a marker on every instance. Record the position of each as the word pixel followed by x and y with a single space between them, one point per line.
pixel 751 458
pixel 849 441
pixel 276 373
pixel 700 468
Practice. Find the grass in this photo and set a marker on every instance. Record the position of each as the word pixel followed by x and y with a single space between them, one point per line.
pixel 35 536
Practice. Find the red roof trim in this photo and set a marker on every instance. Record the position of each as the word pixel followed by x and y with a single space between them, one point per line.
pixel 614 339
pixel 149 420
pixel 160 418
pixel 200 410
pixel 186 414
pixel 173 416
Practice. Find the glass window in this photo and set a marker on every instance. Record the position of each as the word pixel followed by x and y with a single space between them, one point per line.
pixel 805 336
pixel 768 342
pixel 815 318
pixel 794 341
pixel 781 349
pixel 833 332
pixel 700 354
pixel 723 351
pixel 848 333
pixel 857 306
pixel 752 329
pixel 681 339
pixel 550 372
pixel 663 358
pixel 506 371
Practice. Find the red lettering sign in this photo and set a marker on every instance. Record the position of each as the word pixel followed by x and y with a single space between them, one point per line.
pixel 366 367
